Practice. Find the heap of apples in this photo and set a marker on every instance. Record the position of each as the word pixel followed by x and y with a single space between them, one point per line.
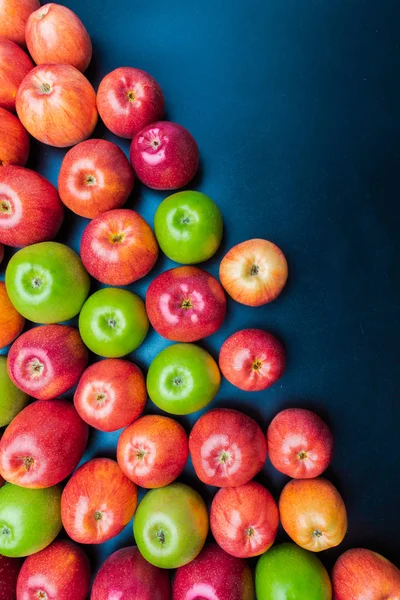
pixel 48 283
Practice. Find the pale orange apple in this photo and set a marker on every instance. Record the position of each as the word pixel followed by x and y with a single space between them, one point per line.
pixel 14 65
pixel 14 15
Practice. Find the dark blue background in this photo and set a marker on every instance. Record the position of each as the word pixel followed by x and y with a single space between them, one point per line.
pixel 295 107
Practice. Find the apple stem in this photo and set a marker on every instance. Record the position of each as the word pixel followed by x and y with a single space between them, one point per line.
pixel 97 515
pixel 249 531
pixel 5 207
pixel 45 88
pixel 317 533
pixel 5 531
pixel 28 462
pixel 177 381
pixel 254 270
pixel 161 536
pixel 302 455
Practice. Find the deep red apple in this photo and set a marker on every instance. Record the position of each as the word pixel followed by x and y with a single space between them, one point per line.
pixel 60 572
pixel 252 359
pixel 300 443
pixel 227 447
pixel 14 65
pixel 1 253
pixel 214 575
pixel 164 156
pixel 118 247
pixel 129 99
pixel 46 361
pixel 14 140
pixel 127 575
pixel 43 444
pixel 30 208
pixel 185 304
pixel 9 569
pixel 95 176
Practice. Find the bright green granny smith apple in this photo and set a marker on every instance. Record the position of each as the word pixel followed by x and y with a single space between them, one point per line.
pixel 29 519
pixel 113 322
pixel 47 282
pixel 188 227
pixel 288 572
pixel 171 526
pixel 12 400
pixel 182 379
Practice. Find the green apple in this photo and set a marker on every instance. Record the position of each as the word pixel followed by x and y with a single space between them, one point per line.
pixel 171 526
pixel 188 227
pixel 287 572
pixel 12 399
pixel 47 282
pixel 113 322
pixel 182 379
pixel 29 519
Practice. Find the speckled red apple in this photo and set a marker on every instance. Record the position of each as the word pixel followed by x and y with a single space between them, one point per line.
pixel 9 569
pixel 14 140
pixel 14 65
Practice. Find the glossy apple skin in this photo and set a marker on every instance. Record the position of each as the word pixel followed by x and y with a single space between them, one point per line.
pixel 164 156
pixel 14 15
pixel 113 322
pixel 30 208
pixel 126 574
pixel 313 513
pixel 43 444
pixel 111 394
pixel 56 571
pixel 15 64
pixel 97 502
pixel 29 519
pixel 95 176
pixel 185 304
pixel 171 526
pixel 214 575
pixel 128 99
pixel 55 34
pixel 11 322
pixel 244 520
pixel 14 140
pixel 227 447
pixel 57 105
pixel 254 272
pixel 119 247
pixel 300 443
pixel 39 279
pixel 12 399
pixel 46 361
pixel 182 379
pixel 153 451
pixel 287 571
pixel 252 359
pixel 9 569
pixel 361 574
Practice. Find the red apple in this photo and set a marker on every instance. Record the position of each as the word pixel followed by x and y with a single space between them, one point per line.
pixel 9 569
pixel 300 444
pixel 46 361
pixel 254 272
pixel 227 447
pixel 164 155
pixel 111 394
pixel 244 520
pixel 97 502
pixel 361 574
pixel 14 65
pixel 61 571
pixel 55 34
pixel 129 99
pixel 118 247
pixel 30 208
pixel 43 444
pixel 14 140
pixel 153 451
pixel 1 253
pixel 14 15
pixel 252 359
pixel 214 575
pixel 57 105
pixel 95 176
pixel 127 575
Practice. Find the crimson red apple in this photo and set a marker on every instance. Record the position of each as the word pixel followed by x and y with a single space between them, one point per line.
pixel 47 361
pixel 119 247
pixel 14 15
pixel 9 569
pixel 214 575
pixel 14 140
pixel 252 359
pixel 55 34
pixel 185 304
pixel 61 571
pixel 97 502
pixel 126 574
pixel 227 447
pixel 300 444
pixel 30 208
pixel 14 65
pixel 129 99
pixel 95 176
pixel 57 105
pixel 164 156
